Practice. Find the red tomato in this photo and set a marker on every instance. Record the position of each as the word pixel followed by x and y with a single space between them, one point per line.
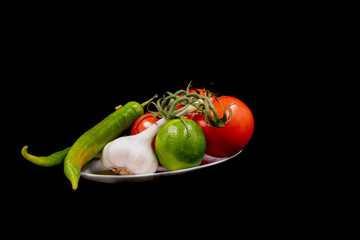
pixel 229 140
pixel 143 123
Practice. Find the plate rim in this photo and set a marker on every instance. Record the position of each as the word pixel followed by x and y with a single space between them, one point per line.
pixel 91 176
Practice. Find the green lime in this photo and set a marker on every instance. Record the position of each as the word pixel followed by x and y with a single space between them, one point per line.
pixel 178 146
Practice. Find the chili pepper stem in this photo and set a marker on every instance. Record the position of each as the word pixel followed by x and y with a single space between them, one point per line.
pixel 148 101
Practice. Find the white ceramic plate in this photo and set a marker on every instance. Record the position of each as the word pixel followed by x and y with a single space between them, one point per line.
pixel 93 170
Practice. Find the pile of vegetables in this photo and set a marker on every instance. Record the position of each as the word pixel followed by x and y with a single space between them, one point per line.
pixel 224 123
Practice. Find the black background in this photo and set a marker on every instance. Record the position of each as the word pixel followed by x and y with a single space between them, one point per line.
pixel 61 82
pixel 59 100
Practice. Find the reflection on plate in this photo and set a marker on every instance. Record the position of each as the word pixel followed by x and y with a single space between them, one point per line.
pixel 93 170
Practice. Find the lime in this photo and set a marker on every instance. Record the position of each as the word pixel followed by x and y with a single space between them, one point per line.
pixel 178 146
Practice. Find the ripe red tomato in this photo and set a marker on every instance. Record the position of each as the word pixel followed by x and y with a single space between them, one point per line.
pixel 143 123
pixel 234 136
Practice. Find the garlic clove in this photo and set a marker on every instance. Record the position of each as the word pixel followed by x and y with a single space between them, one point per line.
pixel 104 158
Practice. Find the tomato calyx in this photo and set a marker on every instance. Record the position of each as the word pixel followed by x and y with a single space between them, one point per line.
pixel 191 101
pixel 213 120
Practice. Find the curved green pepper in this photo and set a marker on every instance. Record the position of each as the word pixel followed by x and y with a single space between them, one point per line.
pixel 94 140
pixel 88 145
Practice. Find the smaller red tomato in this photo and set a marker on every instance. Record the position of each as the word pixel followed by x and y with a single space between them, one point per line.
pixel 143 123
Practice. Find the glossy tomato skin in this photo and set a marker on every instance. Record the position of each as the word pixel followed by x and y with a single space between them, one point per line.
pixel 234 136
pixel 143 123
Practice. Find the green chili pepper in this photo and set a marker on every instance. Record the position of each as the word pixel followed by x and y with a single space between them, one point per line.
pixel 94 140
pixel 45 161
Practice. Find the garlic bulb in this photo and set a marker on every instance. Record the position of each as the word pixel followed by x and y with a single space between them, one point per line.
pixel 131 155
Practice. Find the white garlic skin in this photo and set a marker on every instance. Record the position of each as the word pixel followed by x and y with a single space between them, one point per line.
pixel 131 152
